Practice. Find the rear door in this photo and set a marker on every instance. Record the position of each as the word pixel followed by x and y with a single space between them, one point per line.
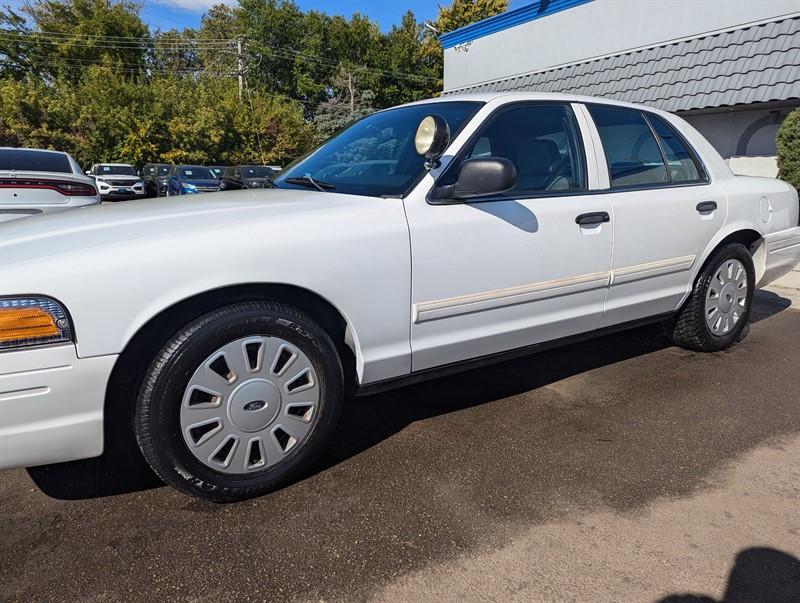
pixel 665 211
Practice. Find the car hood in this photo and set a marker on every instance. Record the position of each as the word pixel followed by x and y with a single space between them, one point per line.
pixel 111 226
pixel 214 182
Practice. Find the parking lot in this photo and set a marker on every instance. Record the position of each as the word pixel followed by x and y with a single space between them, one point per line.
pixel 617 469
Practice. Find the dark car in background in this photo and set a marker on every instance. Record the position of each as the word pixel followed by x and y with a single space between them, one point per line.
pixel 190 180
pixel 246 176
pixel 218 170
pixel 154 176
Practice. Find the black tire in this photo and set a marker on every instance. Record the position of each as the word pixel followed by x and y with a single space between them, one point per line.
pixel 689 329
pixel 157 424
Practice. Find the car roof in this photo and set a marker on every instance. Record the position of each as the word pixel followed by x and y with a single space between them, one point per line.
pixel 509 97
pixel 116 164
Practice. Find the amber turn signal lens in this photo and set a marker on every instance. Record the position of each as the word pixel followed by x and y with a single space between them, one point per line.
pixel 18 324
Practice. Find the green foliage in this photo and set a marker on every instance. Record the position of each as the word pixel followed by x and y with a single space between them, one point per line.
pixel 346 104
pixel 88 77
pixel 788 141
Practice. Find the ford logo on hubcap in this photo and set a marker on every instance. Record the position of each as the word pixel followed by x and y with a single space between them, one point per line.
pixel 255 405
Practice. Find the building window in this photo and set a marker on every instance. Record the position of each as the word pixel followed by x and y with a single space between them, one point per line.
pixel 632 152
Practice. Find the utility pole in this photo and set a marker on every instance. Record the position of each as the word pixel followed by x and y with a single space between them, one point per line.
pixel 240 64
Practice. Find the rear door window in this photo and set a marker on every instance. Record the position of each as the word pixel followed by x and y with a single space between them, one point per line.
pixel 632 152
pixel 23 160
pixel 680 161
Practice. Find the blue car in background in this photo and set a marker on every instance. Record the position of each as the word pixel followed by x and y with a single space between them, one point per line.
pixel 190 180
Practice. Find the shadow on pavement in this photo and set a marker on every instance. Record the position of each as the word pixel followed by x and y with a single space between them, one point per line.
pixel 370 420
pixel 759 575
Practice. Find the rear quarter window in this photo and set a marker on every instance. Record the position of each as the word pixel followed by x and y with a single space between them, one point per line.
pixel 23 160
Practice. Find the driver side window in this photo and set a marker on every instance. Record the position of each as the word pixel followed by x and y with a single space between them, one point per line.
pixel 542 142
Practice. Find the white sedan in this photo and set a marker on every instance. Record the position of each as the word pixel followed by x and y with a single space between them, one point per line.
pixel 37 181
pixel 229 327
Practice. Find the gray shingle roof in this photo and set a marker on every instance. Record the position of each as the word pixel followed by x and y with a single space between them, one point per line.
pixel 755 64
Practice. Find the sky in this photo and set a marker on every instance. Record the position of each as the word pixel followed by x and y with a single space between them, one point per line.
pixel 167 14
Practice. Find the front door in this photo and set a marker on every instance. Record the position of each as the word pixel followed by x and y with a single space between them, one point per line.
pixel 516 269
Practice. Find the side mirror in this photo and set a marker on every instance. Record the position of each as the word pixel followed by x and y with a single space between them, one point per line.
pixel 479 177
pixel 431 139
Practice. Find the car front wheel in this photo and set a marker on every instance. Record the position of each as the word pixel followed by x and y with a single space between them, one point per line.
pixel 240 402
pixel 717 312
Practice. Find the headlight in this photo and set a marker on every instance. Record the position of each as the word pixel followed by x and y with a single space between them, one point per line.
pixel 29 321
pixel 189 188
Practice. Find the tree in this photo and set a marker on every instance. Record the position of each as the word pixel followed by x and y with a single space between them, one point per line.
pixel 347 102
pixel 788 143
pixel 465 12
pixel 70 35
pixel 88 77
pixel 459 14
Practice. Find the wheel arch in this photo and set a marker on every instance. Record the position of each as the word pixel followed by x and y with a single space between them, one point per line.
pixel 740 233
pixel 142 346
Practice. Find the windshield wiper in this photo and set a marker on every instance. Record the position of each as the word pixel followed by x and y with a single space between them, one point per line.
pixel 307 180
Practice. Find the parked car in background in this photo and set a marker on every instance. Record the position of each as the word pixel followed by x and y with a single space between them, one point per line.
pixel 225 332
pixel 218 170
pixel 117 181
pixel 246 176
pixel 37 181
pixel 154 176
pixel 190 180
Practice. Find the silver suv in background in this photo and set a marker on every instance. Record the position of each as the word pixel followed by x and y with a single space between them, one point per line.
pixel 37 181
pixel 117 181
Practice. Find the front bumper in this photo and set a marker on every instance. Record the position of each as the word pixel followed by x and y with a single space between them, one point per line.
pixel 782 254
pixel 121 195
pixel 51 405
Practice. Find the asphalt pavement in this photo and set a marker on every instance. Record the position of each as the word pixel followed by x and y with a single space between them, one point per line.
pixel 618 469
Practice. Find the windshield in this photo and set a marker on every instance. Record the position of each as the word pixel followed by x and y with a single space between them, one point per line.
pixel 116 170
pixel 256 171
pixel 197 173
pixel 163 170
pixel 375 156
pixel 217 171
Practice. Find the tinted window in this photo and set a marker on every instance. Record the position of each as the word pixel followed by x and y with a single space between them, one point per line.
pixel 148 170
pixel 681 164
pixel 197 173
pixel 375 156
pixel 541 141
pixel 163 170
pixel 256 171
pixel 118 170
pixel 632 153
pixel 34 161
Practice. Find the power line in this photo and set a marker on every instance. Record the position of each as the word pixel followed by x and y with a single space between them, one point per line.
pixel 222 43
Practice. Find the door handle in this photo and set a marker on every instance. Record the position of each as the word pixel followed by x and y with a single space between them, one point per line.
pixel 597 217
pixel 706 207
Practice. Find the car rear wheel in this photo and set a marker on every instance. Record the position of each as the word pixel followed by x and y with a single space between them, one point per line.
pixel 716 314
pixel 240 402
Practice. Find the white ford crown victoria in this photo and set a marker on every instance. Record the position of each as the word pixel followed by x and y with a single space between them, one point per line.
pixel 224 331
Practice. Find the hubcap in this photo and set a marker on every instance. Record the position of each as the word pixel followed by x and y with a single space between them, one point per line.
pixel 249 404
pixel 726 299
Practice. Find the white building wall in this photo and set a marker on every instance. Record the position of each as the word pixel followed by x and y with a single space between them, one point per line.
pixel 744 137
pixel 596 29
